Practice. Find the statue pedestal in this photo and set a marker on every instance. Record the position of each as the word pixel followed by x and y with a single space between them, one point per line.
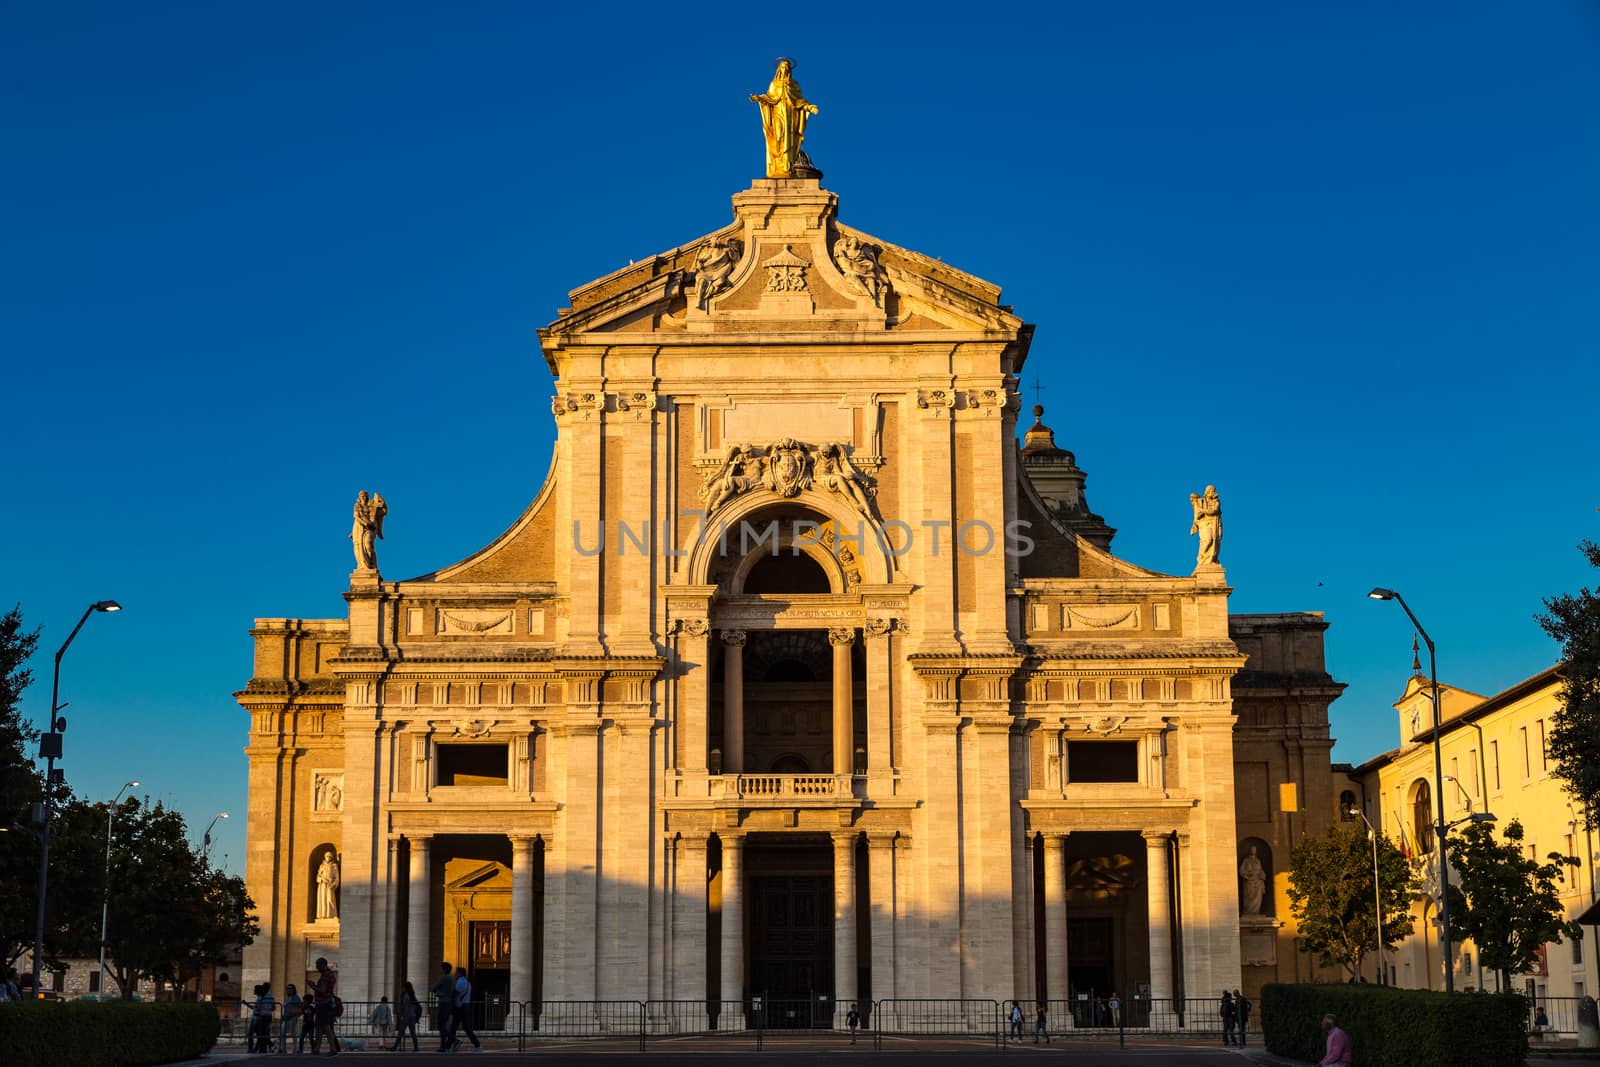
pixel 1210 574
pixel 1258 941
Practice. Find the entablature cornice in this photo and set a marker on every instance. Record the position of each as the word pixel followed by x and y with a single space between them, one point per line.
pixel 427 589
pixel 1075 655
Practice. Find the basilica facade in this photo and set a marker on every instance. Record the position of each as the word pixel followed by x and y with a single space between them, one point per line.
pixel 800 677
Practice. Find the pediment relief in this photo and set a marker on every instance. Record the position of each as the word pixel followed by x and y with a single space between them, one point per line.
pixel 787 263
pixel 485 876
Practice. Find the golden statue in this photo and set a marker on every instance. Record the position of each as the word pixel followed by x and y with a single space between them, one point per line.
pixel 783 119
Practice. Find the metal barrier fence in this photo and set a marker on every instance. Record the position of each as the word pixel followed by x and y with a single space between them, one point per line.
pixel 927 1017
pixel 1560 1017
pixel 759 1020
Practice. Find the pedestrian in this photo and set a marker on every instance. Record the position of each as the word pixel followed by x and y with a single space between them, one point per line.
pixel 1116 1010
pixel 264 1007
pixel 327 1008
pixel 1230 1018
pixel 308 1024
pixel 444 1007
pixel 1338 1052
pixel 1016 1020
pixel 1541 1022
pixel 250 1020
pixel 10 991
pixel 853 1021
pixel 1040 1029
pixel 291 1013
pixel 1241 1004
pixel 381 1017
pixel 406 1018
pixel 463 1013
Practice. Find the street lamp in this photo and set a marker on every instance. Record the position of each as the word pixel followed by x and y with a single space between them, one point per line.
pixel 105 900
pixel 205 847
pixel 1438 778
pixel 50 749
pixel 1377 898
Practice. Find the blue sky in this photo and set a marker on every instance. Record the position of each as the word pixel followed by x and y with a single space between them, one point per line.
pixel 1340 260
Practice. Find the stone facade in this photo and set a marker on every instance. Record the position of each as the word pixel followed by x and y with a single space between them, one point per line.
pixel 789 682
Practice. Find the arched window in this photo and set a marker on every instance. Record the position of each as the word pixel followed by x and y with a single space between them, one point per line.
pixel 1421 817
pixel 787 572
pixel 1347 805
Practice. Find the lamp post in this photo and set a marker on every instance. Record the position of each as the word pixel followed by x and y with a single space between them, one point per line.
pixel 1438 779
pixel 205 846
pixel 1377 897
pixel 105 900
pixel 50 749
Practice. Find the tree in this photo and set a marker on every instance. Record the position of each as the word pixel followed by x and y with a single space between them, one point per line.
pixel 170 913
pixel 1574 620
pixel 21 786
pixel 1330 891
pixel 1505 901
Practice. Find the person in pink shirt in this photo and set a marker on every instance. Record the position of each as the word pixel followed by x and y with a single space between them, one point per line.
pixel 1339 1052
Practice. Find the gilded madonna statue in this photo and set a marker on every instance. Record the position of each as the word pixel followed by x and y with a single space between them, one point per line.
pixel 784 112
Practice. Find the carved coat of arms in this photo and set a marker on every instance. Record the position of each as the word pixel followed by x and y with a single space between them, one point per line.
pixel 788 468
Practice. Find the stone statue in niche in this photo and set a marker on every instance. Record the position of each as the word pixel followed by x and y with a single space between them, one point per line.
pixel 328 887
pixel 1252 883
pixel 1208 524
pixel 859 262
pixel 367 530
pixel 713 266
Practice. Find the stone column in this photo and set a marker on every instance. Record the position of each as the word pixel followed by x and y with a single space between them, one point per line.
pixel 1155 857
pixel 689 928
pixel 844 923
pixel 732 929
pixel 884 912
pixel 693 650
pixel 733 701
pixel 419 961
pixel 521 919
pixel 880 697
pixel 1055 929
pixel 386 953
pixel 843 641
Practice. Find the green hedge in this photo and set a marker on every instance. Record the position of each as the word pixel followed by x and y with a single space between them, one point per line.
pixel 116 1034
pixel 1414 1027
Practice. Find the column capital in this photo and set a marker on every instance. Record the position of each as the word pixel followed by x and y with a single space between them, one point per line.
pixel 842 635
pixel 734 838
pixel 732 638
pixel 421 842
pixel 843 839
pixel 523 842
pixel 1155 838
pixel 1055 841
pixel 882 838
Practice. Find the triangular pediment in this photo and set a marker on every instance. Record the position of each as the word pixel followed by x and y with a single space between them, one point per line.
pixel 785 265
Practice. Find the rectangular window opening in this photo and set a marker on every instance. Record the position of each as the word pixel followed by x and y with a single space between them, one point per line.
pixel 1102 761
pixel 474 764
pixel 1494 748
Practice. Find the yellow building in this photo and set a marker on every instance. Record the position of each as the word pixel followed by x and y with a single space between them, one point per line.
pixel 1494 760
